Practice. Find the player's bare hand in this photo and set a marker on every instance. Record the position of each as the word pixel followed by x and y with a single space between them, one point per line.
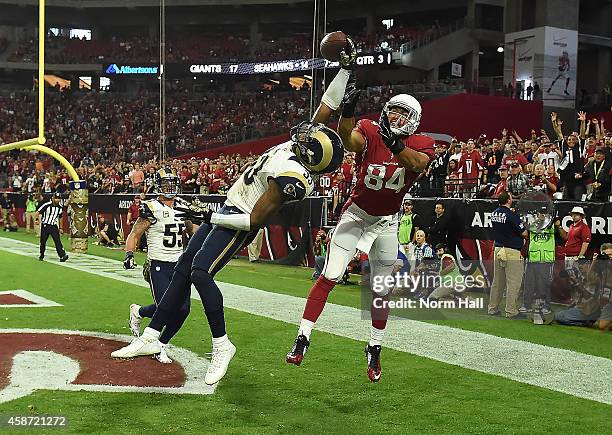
pixel 581 116
pixel 349 54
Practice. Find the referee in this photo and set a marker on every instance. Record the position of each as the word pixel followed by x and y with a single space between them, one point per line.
pixel 50 212
pixel 510 235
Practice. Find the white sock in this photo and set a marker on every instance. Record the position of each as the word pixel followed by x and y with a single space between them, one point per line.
pixel 219 342
pixel 151 332
pixel 306 328
pixel 376 336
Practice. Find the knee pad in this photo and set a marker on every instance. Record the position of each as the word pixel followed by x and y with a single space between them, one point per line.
pixel 333 272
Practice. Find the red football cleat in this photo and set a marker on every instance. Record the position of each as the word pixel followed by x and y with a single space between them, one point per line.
pixel 300 346
pixel 373 357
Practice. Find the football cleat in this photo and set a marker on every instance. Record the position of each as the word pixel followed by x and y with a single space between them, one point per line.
pixel 221 358
pixel 373 357
pixel 300 346
pixel 135 320
pixel 144 345
pixel 162 356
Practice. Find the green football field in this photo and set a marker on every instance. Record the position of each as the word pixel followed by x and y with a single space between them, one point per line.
pixel 330 392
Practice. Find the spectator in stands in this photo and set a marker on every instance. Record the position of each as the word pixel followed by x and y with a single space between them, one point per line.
pixel 598 172
pixel 470 169
pixel 502 184
pixel 518 182
pixel 437 170
pixel 538 181
pixel 493 161
pixel 137 178
pixel 595 302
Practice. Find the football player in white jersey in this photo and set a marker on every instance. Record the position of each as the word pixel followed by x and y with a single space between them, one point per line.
pixel 164 233
pixel 282 174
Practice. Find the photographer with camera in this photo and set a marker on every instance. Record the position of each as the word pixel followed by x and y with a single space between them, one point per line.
pixel 595 303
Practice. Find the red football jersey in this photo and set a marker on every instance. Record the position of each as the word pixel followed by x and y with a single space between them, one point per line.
pixel 470 164
pixel 381 181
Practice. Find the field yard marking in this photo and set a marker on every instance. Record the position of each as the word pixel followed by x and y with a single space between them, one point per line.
pixel 44 370
pixel 565 371
pixel 39 301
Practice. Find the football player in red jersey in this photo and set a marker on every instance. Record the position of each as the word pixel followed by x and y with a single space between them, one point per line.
pixel 389 158
pixel 470 168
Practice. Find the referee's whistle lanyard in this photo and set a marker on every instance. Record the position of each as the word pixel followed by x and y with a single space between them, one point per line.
pixel 598 171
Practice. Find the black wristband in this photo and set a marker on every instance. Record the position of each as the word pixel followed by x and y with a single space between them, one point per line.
pixel 397 146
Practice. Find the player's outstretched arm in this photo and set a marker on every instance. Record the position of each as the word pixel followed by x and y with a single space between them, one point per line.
pixel 332 98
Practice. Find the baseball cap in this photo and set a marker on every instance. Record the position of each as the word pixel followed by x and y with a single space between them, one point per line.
pixel 600 149
pixel 514 165
pixel 578 210
pixel 57 195
pixel 503 168
pixel 408 201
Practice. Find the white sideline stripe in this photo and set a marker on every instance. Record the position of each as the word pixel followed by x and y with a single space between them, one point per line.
pixel 565 371
pixel 42 370
pixel 39 301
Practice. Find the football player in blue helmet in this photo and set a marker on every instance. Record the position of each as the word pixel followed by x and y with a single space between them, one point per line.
pixel 282 174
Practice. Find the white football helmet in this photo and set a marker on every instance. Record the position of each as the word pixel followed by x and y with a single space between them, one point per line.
pixel 404 125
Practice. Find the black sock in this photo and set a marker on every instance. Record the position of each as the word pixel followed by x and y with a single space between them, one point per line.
pixel 147 311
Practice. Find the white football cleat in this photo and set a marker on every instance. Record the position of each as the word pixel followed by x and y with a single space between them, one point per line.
pixel 135 320
pixel 221 358
pixel 162 356
pixel 144 345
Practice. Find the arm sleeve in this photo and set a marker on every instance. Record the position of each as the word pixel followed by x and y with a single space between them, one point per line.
pixel 294 186
pixel 42 208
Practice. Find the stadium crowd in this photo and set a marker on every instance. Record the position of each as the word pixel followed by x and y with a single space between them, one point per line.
pixel 185 47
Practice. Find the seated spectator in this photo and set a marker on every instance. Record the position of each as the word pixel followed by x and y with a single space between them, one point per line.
pixel 105 236
pixel 595 303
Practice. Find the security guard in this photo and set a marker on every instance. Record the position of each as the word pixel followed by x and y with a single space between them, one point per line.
pixel 509 233
pixel 50 212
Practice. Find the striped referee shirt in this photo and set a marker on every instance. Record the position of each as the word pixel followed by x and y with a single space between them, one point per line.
pixel 50 213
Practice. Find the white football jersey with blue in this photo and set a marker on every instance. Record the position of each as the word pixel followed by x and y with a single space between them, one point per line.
pixel 165 234
pixel 278 163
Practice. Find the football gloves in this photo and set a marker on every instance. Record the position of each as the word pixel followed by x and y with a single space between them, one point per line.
pixel 129 262
pixel 196 212
pixel 348 54
pixel 351 97
pixel 391 141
